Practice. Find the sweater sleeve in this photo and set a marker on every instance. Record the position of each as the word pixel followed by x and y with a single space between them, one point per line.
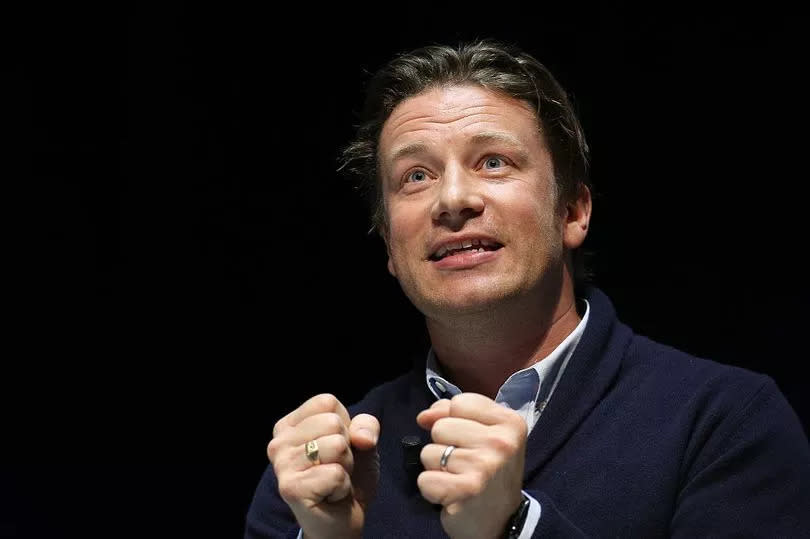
pixel 751 476
pixel 269 516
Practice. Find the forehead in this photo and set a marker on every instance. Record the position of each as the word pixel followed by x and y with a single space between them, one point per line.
pixel 457 110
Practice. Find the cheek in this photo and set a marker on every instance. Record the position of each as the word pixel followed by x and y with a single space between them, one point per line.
pixel 537 227
pixel 403 227
pixel 400 251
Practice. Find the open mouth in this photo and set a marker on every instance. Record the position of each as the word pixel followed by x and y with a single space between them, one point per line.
pixel 475 245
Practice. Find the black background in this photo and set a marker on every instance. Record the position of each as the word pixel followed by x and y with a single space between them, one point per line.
pixel 191 266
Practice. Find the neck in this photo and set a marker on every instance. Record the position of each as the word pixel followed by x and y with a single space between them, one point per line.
pixel 479 351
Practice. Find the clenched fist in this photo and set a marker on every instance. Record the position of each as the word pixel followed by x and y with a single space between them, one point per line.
pixel 480 487
pixel 328 498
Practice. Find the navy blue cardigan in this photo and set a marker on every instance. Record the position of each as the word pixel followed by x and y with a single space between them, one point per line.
pixel 639 440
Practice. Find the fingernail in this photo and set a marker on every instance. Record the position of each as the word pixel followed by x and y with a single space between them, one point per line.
pixel 368 434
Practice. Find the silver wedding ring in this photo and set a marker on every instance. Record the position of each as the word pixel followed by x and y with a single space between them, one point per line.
pixel 446 455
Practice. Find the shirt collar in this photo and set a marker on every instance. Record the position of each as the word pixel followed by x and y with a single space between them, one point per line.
pixel 524 386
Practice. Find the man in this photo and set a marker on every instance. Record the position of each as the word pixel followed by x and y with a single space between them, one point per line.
pixel 543 414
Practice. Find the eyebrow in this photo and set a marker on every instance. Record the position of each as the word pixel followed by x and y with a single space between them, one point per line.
pixel 479 139
pixel 409 149
pixel 490 137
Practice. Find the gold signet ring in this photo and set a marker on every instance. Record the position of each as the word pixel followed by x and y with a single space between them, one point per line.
pixel 311 449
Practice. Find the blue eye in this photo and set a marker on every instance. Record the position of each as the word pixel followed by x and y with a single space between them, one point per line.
pixel 494 162
pixel 416 176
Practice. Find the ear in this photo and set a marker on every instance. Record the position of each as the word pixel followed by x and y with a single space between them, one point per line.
pixel 577 218
pixel 384 236
pixel 391 269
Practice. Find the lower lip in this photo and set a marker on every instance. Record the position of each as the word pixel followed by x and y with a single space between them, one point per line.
pixel 465 260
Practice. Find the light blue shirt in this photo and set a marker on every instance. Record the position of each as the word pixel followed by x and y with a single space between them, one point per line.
pixel 527 392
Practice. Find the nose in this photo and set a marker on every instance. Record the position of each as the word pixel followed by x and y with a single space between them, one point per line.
pixel 458 198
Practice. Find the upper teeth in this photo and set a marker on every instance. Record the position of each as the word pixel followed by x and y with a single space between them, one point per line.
pixel 464 244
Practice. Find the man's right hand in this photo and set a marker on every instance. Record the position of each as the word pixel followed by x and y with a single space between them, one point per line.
pixel 328 499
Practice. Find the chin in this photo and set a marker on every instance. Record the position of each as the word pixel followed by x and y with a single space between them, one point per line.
pixel 468 302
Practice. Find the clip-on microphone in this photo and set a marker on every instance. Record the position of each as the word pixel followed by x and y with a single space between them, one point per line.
pixel 411 448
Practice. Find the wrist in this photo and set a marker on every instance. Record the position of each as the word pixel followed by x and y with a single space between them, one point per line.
pixel 514 526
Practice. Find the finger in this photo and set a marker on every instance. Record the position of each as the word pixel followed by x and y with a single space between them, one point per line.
pixel 313 486
pixel 364 431
pixel 439 409
pixel 314 427
pixel 446 488
pixel 332 449
pixel 311 428
pixel 460 459
pixel 462 433
pixel 481 409
pixel 343 490
pixel 318 404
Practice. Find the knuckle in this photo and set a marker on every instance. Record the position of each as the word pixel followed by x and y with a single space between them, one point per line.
pixel 286 489
pixel 453 509
pixel 326 401
pixel 458 403
pixel 512 445
pixel 495 442
pixel 484 460
pixel 477 483
pixel 519 424
pixel 333 423
pixel 272 449
pixel 428 489
pixel 342 446
pixel 439 427
pixel 501 444
pixel 334 473
pixel 425 455
pixel 277 428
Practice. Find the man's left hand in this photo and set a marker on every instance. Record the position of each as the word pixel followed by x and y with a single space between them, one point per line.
pixel 480 487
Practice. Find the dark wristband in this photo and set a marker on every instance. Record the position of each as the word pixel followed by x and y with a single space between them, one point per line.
pixel 515 524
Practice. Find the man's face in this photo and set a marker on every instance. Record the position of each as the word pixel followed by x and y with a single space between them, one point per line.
pixel 468 186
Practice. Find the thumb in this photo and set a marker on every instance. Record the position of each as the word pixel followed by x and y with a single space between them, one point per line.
pixel 364 431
